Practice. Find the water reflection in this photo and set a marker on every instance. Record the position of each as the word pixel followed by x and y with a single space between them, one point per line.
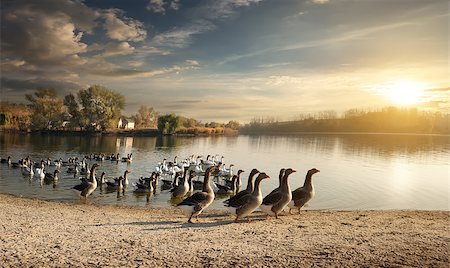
pixel 357 171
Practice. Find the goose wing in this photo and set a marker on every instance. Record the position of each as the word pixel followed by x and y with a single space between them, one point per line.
pixel 272 198
pixel 239 202
pixel 80 187
pixel 231 201
pixel 194 199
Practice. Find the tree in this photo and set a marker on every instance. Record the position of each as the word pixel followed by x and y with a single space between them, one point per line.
pixel 146 117
pixel 168 123
pixel 233 125
pixel 97 107
pixel 46 109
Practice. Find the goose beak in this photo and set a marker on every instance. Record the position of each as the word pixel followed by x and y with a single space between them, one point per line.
pixel 294 171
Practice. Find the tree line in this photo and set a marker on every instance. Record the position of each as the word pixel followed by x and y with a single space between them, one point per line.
pixel 384 120
pixel 96 108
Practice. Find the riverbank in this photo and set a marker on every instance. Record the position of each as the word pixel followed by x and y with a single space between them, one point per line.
pixel 51 234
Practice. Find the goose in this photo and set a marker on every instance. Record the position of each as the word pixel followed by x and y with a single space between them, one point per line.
pixel 116 185
pixel 232 201
pixel 276 201
pixel 227 172
pixel 52 177
pixel 125 178
pixel 238 180
pixel 302 195
pixel 87 187
pixel 280 181
pixel 199 201
pixel 250 202
pixel 40 173
pixel 128 159
pixel 6 160
pixel 225 189
pixel 28 171
pixel 102 180
pixel 181 190
pixel 145 185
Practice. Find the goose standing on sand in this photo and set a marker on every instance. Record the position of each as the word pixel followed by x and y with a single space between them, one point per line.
pixel 276 201
pixel 199 201
pixel 235 199
pixel 248 203
pixel 302 195
pixel 87 187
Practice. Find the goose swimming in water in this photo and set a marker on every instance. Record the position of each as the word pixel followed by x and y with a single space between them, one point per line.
pixel 302 195
pixel 52 177
pixel 229 188
pixel 277 200
pixel 87 187
pixel 183 188
pixel 193 205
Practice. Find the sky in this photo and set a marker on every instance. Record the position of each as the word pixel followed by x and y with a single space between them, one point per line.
pixel 221 60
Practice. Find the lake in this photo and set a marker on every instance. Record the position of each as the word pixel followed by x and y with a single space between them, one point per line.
pixel 357 171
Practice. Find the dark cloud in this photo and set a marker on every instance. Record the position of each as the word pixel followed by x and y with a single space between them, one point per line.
pixel 33 84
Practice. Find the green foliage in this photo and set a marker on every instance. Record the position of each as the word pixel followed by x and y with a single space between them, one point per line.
pixel 46 109
pixel 168 123
pixel 146 117
pixel 95 108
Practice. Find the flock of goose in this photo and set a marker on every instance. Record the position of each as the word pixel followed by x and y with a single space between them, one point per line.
pixel 191 195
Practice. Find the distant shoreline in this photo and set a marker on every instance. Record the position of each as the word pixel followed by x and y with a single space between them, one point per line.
pixel 156 133
pixel 55 234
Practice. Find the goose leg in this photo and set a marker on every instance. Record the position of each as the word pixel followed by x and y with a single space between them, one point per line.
pixel 190 219
pixel 299 210
pixel 236 220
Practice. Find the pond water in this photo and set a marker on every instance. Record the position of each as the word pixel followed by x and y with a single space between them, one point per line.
pixel 357 171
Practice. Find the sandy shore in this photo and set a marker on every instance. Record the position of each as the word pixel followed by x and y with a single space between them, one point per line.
pixel 36 233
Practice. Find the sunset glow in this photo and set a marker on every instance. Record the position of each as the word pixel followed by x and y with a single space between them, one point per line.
pixel 404 92
pixel 231 59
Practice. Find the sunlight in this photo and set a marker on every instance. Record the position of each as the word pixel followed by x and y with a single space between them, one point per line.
pixel 404 92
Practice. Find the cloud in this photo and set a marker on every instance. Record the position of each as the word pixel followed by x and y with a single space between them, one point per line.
pixel 183 36
pixel 112 49
pixel 24 85
pixel 135 63
pixel 222 9
pixel 159 6
pixel 320 2
pixel 121 28
pixel 156 6
pixel 203 19
pixel 41 39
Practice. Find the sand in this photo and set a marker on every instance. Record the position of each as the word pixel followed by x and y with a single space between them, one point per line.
pixel 35 233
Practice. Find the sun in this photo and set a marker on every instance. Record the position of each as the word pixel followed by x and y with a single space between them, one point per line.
pixel 404 92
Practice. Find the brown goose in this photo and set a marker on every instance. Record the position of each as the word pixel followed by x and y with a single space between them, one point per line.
pixel 280 179
pixel 87 187
pixel 303 194
pixel 276 201
pixel 235 199
pixel 248 203
pixel 181 190
pixel 199 201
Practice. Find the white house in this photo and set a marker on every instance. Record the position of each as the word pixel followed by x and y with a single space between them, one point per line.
pixel 125 124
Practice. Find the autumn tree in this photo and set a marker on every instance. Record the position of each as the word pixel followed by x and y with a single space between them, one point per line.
pixel 46 109
pixel 146 117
